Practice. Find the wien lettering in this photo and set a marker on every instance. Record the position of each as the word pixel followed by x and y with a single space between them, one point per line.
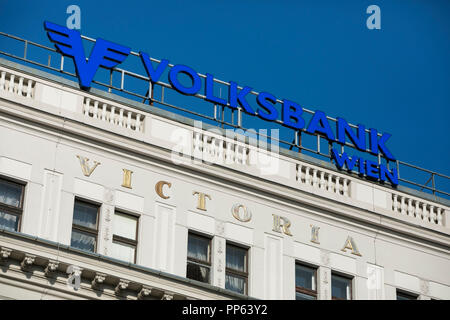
pixel 365 167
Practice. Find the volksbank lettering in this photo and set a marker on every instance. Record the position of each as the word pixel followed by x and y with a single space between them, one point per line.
pixel 109 54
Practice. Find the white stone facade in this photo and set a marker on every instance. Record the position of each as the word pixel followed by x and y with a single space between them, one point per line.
pixel 47 127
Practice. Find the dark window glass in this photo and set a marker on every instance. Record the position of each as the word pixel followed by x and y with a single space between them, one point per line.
pixel 11 193
pixel 197 272
pixel 341 287
pixel 305 283
pixel 9 221
pixel 304 296
pixel 236 274
pixel 11 203
pixel 85 226
pixel 198 247
pixel 235 283
pixel 406 296
pixel 83 240
pixel 198 258
pixel 85 214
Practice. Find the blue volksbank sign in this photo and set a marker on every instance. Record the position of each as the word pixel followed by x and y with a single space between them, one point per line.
pixel 109 55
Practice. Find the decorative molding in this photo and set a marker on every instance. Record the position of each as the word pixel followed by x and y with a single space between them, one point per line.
pixel 325 257
pixel 4 254
pixel 219 265
pixel 167 296
pixel 27 262
pixel 109 196
pixel 122 285
pixel 52 267
pixel 99 278
pixel 424 287
pixel 220 228
pixel 144 292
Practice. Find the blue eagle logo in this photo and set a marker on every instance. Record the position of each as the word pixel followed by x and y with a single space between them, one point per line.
pixel 68 42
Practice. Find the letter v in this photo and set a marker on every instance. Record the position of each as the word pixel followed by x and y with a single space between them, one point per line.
pixel 84 162
pixel 153 74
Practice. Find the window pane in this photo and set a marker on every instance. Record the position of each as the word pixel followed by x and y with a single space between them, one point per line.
pixel 10 193
pixel 83 241
pixel 196 272
pixel 85 214
pixel 125 226
pixel 123 251
pixel 235 283
pixel 304 277
pixel 340 287
pixel 302 296
pixel 405 296
pixel 9 221
pixel 198 247
pixel 236 258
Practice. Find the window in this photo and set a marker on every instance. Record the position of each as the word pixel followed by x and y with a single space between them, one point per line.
pixel 124 244
pixel 305 283
pixel 341 287
pixel 402 295
pixel 236 273
pixel 85 226
pixel 198 258
pixel 11 204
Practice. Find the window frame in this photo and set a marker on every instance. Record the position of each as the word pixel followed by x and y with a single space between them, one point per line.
pixel 303 289
pixel 127 241
pixel 235 272
pixel 201 263
pixel 409 294
pixel 345 276
pixel 16 211
pixel 83 229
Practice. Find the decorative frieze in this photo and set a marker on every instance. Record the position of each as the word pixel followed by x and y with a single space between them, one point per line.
pixel 27 262
pixel 99 278
pixel 52 267
pixel 4 255
pixel 144 292
pixel 167 296
pixel 121 286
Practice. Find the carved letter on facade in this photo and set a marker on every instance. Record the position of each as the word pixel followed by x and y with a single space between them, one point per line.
pixel 246 214
pixel 201 204
pixel 84 162
pixel 159 188
pixel 281 224
pixel 315 234
pixel 127 178
pixel 350 244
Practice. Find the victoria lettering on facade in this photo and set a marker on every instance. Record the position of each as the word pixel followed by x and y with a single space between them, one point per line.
pixel 108 54
pixel 240 212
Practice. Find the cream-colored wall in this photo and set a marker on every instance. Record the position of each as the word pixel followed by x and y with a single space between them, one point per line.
pixel 392 253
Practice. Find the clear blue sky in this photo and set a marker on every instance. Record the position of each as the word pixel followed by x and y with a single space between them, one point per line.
pixel 318 53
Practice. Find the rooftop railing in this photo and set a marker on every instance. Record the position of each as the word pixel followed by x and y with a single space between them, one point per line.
pixel 138 87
